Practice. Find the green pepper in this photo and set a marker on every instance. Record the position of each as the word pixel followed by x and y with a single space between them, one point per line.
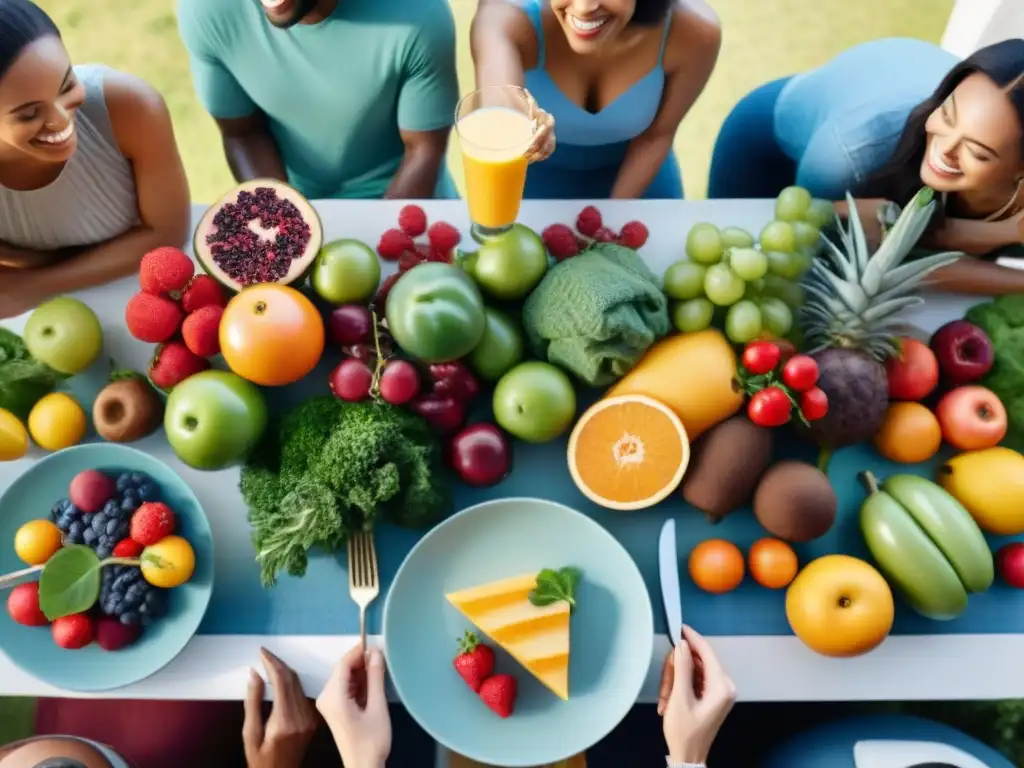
pixel 435 313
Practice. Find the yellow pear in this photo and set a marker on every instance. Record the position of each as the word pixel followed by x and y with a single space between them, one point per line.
pixel 990 484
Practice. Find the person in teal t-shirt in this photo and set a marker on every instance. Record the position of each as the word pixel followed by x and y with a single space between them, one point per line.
pixel 342 98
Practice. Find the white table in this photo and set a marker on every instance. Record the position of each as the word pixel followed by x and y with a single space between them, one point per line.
pixel 765 668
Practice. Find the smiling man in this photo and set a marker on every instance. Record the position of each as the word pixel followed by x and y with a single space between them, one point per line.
pixel 342 98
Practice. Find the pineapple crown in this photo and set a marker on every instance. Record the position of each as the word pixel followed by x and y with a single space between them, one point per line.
pixel 854 298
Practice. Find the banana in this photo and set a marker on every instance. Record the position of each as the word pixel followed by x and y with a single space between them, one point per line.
pixel 909 559
pixel 950 527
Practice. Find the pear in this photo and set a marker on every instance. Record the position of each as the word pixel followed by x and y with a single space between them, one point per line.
pixel 990 484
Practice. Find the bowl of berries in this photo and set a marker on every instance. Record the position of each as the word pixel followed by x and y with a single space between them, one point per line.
pixel 106 557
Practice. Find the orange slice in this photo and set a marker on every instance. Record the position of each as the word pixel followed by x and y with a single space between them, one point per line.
pixel 628 452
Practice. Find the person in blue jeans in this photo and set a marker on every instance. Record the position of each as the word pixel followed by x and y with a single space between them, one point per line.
pixel 883 119
pixel 617 77
pixel 342 98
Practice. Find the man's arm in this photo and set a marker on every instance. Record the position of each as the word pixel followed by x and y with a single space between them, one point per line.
pixel 250 148
pixel 426 106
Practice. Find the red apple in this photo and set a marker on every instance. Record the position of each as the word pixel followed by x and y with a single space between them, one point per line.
pixel 1010 562
pixel 915 373
pixel 964 352
pixel 971 418
pixel 481 454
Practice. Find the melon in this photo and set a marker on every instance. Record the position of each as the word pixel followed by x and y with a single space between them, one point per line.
pixel 262 231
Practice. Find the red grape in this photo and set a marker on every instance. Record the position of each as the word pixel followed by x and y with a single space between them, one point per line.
pixel 400 382
pixel 351 380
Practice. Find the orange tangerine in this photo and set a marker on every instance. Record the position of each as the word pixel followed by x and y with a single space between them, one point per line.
pixel 772 563
pixel 628 452
pixel 910 433
pixel 716 566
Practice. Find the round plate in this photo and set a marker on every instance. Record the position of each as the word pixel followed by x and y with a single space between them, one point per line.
pixel 611 632
pixel 32 496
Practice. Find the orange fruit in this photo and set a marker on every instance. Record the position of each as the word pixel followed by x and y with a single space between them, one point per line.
pixel 772 563
pixel 716 566
pixel 271 335
pixel 910 433
pixel 628 452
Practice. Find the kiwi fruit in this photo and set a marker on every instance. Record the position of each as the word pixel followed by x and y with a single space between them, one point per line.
pixel 795 502
pixel 127 410
pixel 725 466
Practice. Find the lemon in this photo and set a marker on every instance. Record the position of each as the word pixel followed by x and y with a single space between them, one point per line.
pixel 56 422
pixel 36 541
pixel 169 563
pixel 13 437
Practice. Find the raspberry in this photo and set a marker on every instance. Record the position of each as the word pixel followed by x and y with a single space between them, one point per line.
pixel 589 221
pixel 152 522
pixel 443 236
pixel 393 244
pixel 173 363
pixel 410 259
pixel 201 331
pixel 165 270
pixel 605 235
pixel 412 220
pixel 153 319
pixel 560 241
pixel 444 257
pixel 202 291
pixel 633 235
pixel 127 548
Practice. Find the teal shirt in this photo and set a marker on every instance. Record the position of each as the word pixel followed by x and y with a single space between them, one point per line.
pixel 336 94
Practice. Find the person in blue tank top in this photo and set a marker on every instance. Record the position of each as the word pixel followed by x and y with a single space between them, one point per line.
pixel 616 76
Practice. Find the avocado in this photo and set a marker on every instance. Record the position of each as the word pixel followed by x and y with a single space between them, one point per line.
pixel 795 502
pixel 725 466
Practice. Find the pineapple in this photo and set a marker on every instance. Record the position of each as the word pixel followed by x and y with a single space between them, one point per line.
pixel 850 318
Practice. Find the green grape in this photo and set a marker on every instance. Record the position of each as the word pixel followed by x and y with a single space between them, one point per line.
pixel 704 244
pixel 748 263
pixel 776 316
pixel 785 265
pixel 821 213
pixel 684 280
pixel 693 315
pixel 722 285
pixel 792 204
pixel 743 323
pixel 806 235
pixel 735 237
pixel 754 289
pixel 780 288
pixel 802 259
pixel 778 236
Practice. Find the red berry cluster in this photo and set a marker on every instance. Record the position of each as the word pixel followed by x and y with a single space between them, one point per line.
pixel 400 244
pixel 780 383
pixel 178 310
pixel 564 242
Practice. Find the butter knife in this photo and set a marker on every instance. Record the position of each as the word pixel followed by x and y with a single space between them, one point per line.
pixel 668 569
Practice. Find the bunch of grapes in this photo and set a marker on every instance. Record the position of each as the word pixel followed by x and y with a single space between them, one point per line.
pixel 748 287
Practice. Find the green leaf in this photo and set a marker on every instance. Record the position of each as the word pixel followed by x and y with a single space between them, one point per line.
pixel 556 586
pixel 69 582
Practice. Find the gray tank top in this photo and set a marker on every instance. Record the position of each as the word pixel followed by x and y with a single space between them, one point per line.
pixel 93 199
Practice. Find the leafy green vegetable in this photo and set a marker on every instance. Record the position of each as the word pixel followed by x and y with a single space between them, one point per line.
pixel 1003 321
pixel 329 468
pixel 24 381
pixel 69 582
pixel 555 586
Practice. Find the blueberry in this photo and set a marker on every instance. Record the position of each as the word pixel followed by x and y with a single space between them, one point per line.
pixel 138 478
pixel 104 550
pixel 123 482
pixel 89 536
pixel 86 519
pixel 130 617
pixel 76 528
pixel 131 495
pixel 112 507
pixel 148 492
pixel 111 527
pixel 99 523
pixel 128 505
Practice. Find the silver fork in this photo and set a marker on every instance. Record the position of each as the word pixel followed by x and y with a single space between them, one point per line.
pixel 363 580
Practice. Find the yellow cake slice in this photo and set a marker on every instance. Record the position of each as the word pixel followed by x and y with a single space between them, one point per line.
pixel 536 637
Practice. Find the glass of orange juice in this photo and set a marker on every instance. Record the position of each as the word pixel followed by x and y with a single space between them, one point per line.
pixel 495 131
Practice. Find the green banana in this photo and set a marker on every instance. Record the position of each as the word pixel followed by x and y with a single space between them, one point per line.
pixel 948 525
pixel 909 559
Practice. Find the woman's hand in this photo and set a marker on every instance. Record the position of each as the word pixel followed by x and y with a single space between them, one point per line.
pixel 355 706
pixel 691 722
pixel 544 135
pixel 281 742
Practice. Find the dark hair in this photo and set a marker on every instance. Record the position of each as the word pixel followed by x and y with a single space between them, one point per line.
pixel 650 13
pixel 900 178
pixel 21 24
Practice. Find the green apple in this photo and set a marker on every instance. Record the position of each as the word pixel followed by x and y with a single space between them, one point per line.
pixel 508 266
pixel 346 272
pixel 213 419
pixel 65 334
pixel 535 402
pixel 500 349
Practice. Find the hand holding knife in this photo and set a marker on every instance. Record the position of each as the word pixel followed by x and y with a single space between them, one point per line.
pixel 668 566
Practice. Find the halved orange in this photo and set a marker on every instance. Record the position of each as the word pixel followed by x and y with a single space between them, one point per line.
pixel 628 452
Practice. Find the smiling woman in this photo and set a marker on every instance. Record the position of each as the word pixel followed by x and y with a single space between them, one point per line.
pixel 90 177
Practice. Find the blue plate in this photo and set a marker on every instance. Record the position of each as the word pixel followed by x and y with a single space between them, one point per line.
pixel 32 496
pixel 612 632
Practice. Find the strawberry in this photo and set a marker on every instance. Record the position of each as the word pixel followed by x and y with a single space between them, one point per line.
pixel 151 522
pixel 499 693
pixel 475 662
pixel 127 548
pixel 74 631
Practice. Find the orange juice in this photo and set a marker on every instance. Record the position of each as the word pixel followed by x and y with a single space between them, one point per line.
pixel 494 141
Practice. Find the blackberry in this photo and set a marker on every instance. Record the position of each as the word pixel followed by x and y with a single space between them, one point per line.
pixel 129 598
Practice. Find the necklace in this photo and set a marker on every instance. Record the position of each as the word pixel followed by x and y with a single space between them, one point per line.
pixel 1008 207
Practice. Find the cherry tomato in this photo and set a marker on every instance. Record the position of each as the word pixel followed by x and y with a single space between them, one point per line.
pixel 814 403
pixel 800 373
pixel 771 407
pixel 787 349
pixel 760 357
